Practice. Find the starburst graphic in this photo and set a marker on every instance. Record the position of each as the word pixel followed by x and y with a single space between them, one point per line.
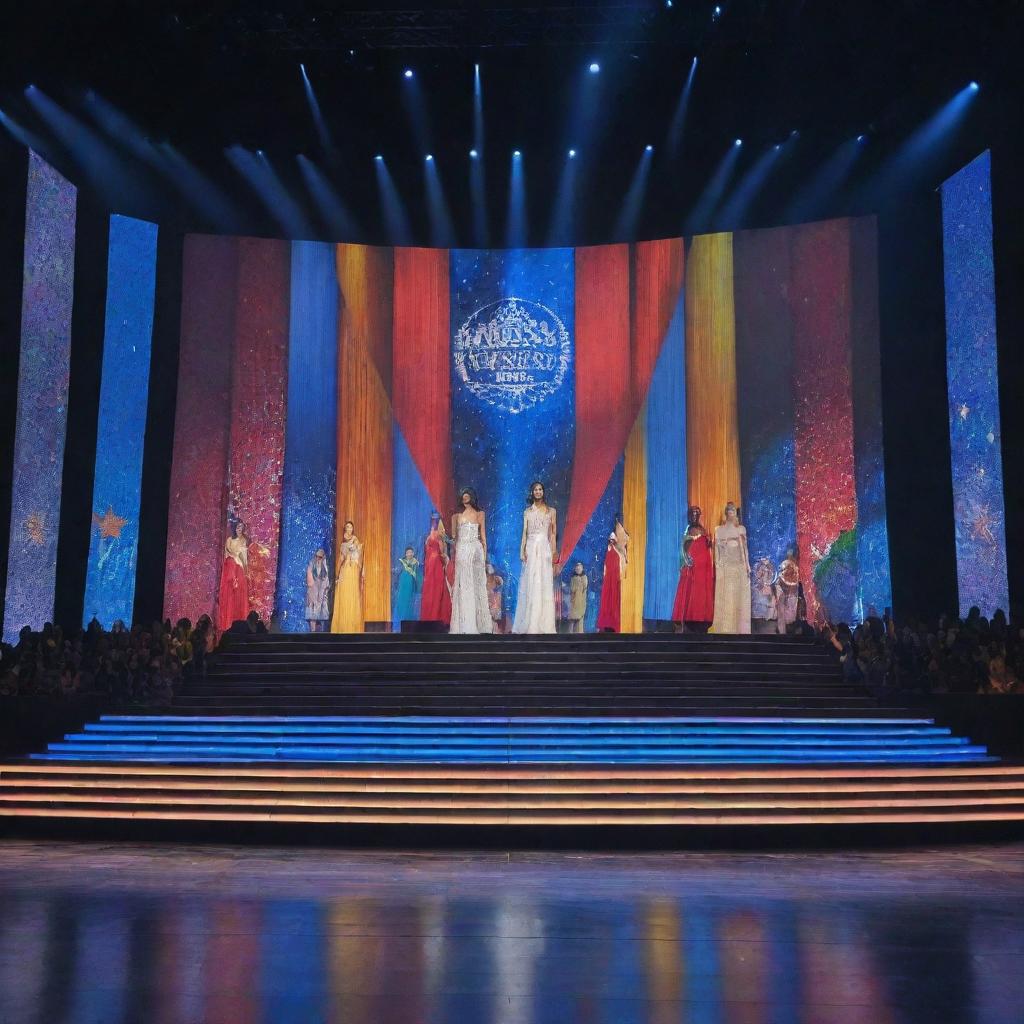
pixel 35 529
pixel 982 523
pixel 110 524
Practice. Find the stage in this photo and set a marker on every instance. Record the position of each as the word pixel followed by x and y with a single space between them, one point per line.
pixel 655 731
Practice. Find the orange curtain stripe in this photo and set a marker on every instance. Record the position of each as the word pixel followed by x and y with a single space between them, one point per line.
pixel 634 512
pixel 712 427
pixel 365 446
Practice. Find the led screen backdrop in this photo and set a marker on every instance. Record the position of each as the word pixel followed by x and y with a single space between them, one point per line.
pixel 41 423
pixel 320 383
pixel 972 374
pixel 120 436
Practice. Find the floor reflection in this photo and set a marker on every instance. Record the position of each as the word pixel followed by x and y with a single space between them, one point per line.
pixel 100 935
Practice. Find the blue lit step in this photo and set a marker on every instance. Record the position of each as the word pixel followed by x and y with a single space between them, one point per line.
pixel 965 755
pixel 499 740
pixel 512 720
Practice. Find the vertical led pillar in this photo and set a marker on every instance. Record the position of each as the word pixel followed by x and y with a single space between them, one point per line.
pixel 972 376
pixel 42 413
pixel 124 389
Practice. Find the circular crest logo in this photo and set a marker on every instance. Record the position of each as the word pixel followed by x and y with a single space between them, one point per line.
pixel 512 353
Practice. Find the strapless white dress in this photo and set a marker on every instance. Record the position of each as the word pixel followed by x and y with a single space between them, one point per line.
pixel 470 613
pixel 535 608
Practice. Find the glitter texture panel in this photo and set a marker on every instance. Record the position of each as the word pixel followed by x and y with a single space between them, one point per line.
pixel 311 431
pixel 124 389
pixel 972 376
pixel 826 500
pixel 41 420
pixel 764 374
pixel 258 385
pixel 196 523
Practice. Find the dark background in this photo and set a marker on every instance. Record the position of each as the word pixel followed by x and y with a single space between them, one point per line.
pixel 207 76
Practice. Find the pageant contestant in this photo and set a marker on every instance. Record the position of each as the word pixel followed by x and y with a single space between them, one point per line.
pixel 496 598
pixel 732 575
pixel 609 611
pixel 348 594
pixel 763 609
pixel 436 602
pixel 578 584
pixel 318 592
pixel 535 608
pixel 233 602
pixel 409 584
pixel 694 606
pixel 470 613
pixel 787 591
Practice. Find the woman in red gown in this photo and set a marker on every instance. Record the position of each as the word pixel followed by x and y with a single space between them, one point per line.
pixel 233 600
pixel 609 611
pixel 436 600
pixel 695 594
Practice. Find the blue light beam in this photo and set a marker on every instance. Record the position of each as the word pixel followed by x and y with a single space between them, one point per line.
pixel 629 214
pixel 335 214
pixel 515 236
pixel 396 220
pixel 700 216
pixel 258 174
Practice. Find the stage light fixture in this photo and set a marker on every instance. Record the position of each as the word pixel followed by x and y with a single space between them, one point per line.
pixel 379 158
pixel 862 138
pixel 473 153
pixel 429 157
pixel 516 153
pixel 407 72
pixel 572 154
pixel 975 87
pixel 648 149
pixel 738 142
pixel 718 12
pixel 594 68
pixel 794 134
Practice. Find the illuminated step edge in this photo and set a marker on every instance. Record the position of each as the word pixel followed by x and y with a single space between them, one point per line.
pixel 530 720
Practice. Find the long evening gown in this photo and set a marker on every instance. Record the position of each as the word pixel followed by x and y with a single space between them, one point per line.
pixel 435 602
pixel 535 608
pixel 406 592
pixel 470 612
pixel 233 599
pixel 732 582
pixel 695 594
pixel 609 611
pixel 348 591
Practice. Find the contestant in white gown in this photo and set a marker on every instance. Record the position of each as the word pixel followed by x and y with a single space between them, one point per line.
pixel 535 608
pixel 470 612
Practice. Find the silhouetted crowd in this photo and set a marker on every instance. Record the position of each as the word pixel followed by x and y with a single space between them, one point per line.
pixel 141 665
pixel 972 655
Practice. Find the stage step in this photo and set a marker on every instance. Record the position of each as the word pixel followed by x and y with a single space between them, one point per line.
pixel 501 740
pixel 516 795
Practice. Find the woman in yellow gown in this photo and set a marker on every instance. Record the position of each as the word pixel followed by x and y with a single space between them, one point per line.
pixel 348 591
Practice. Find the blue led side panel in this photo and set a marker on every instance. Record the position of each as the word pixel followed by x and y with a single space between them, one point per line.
pixel 972 376
pixel 124 387
pixel 42 414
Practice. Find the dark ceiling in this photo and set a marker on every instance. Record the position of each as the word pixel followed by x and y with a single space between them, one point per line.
pixel 207 76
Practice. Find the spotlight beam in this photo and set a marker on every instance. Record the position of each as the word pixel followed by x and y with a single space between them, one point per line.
pixel 563 212
pixel 678 123
pixel 335 214
pixel 629 214
pixel 319 121
pixel 515 236
pixel 700 216
pixel 737 206
pixel 442 233
pixel 813 198
pixel 261 177
pixel 396 220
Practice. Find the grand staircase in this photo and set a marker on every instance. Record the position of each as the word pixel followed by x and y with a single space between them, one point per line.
pixel 435 730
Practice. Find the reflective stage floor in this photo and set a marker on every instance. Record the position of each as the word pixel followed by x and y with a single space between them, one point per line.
pixel 93 933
